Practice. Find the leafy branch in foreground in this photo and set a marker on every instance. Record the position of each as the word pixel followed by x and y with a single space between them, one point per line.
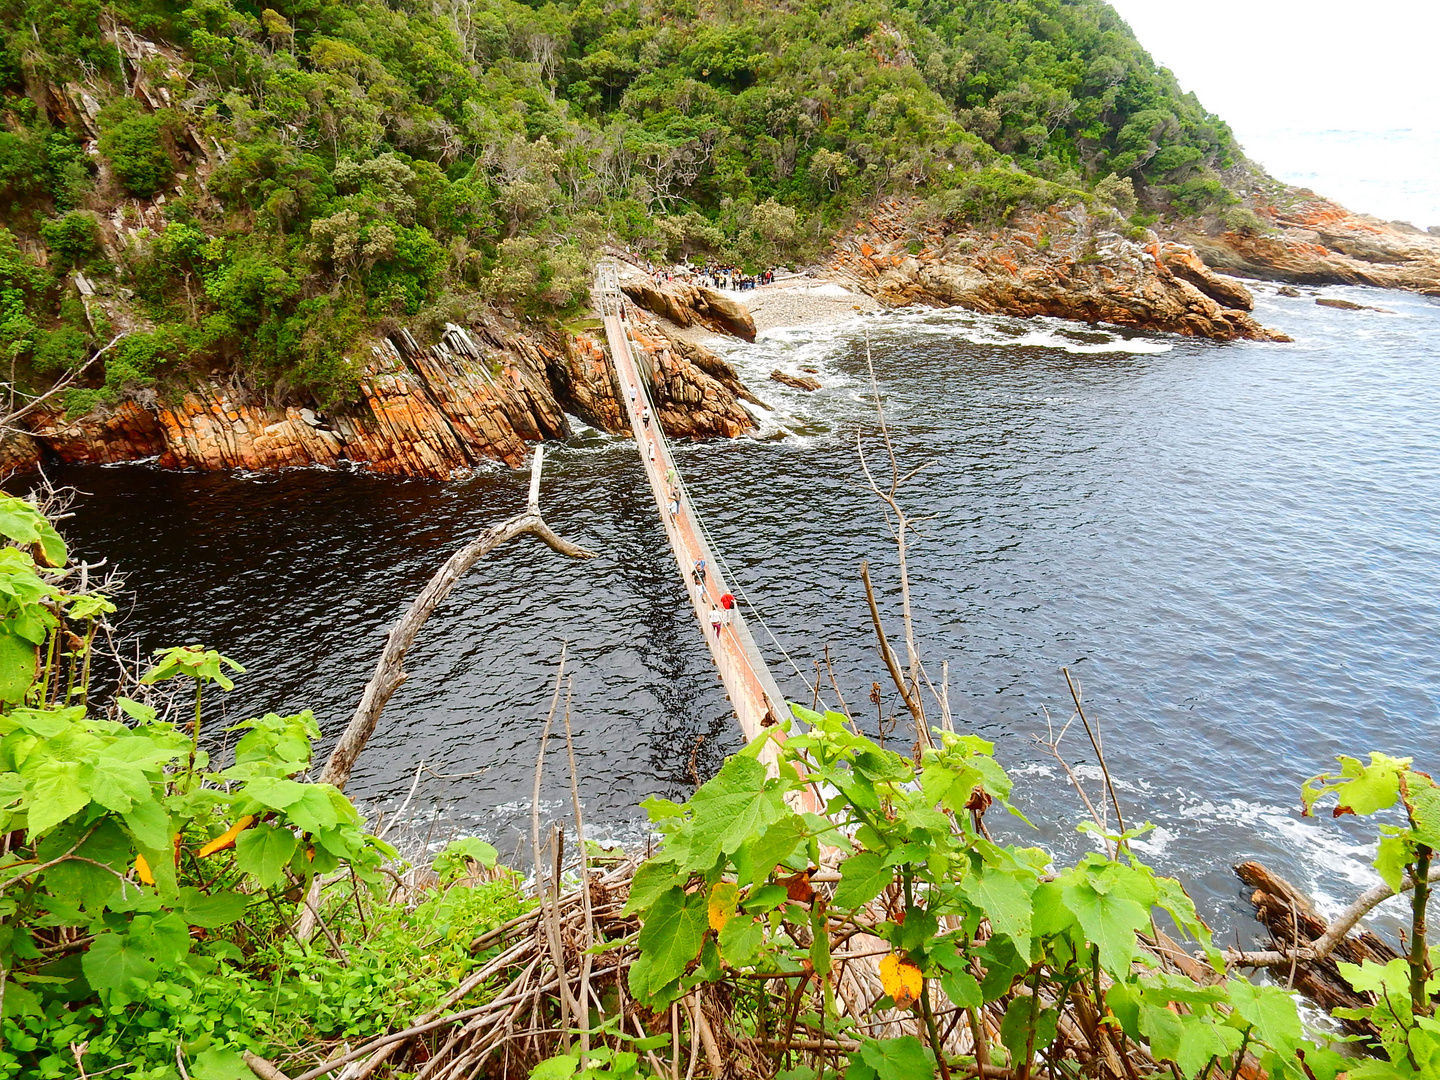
pixel 147 899
pixel 740 891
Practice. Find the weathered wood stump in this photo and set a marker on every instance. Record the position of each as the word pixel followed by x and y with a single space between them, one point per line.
pixel 1294 925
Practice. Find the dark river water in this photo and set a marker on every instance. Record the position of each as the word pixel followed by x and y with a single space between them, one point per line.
pixel 1233 547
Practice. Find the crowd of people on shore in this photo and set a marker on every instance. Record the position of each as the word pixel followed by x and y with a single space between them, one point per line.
pixel 714 276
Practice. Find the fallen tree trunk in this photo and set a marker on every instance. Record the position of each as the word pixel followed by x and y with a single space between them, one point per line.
pixel 1307 948
pixel 390 671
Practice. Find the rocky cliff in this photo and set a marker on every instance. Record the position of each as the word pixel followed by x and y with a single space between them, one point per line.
pixel 1307 240
pixel 1059 262
pixel 435 411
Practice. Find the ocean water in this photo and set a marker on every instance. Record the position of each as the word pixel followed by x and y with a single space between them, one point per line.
pixel 1234 548
pixel 1393 173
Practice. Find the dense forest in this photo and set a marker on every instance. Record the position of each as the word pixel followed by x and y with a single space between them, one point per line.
pixel 265 188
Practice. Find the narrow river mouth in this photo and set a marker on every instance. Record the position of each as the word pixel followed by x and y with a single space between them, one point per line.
pixel 1232 547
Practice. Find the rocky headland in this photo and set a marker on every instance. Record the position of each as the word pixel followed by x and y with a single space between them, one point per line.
pixel 1307 240
pixel 1059 262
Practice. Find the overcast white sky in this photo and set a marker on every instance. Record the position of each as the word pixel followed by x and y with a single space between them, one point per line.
pixel 1315 65
pixel 1305 63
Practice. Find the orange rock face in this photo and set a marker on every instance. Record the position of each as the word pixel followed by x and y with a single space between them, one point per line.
pixel 435 411
pixel 1082 271
pixel 1318 242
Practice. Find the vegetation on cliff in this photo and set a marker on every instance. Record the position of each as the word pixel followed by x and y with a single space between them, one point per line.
pixel 258 190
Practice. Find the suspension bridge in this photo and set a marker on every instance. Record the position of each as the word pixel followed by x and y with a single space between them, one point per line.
pixel 749 684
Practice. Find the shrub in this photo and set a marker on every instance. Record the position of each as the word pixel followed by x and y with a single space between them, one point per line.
pixel 135 148
pixel 75 238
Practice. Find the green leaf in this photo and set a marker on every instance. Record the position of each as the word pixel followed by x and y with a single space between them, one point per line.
pixel 904 1058
pixel 275 792
pixel 671 937
pixel 560 1067
pixel 220 1063
pixel 1108 921
pixel 210 911
pixel 265 851
pixel 1015 1028
pixel 775 846
pixel 863 877
pixel 650 882
pixel 150 825
pixel 1422 799
pixel 1004 897
pixel 315 812
pixel 727 811
pixel 17 666
pixel 741 940
pixel 114 782
pixel 1270 1011
pixel 1393 855
pixel 55 794
pixel 117 963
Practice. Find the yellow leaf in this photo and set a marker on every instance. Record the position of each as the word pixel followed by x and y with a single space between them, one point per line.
pixel 901 980
pixel 722 904
pixel 142 868
pixel 227 838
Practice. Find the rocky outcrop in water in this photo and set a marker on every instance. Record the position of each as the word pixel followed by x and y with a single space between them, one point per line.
pixel 434 411
pixel 1057 262
pixel 686 304
pixel 1308 240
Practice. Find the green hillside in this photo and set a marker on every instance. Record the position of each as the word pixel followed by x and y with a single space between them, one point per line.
pixel 329 169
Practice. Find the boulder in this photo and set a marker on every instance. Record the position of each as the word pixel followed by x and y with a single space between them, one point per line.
pixel 1185 264
pixel 797 382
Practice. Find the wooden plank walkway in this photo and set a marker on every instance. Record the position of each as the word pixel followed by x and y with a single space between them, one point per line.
pixel 749 684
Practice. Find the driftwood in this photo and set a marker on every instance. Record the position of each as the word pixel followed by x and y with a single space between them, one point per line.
pixel 1306 947
pixel 390 671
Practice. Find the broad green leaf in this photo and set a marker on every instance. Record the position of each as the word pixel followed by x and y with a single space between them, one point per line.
pixel 560 1067
pixel 1393 856
pixel 116 963
pixel 775 846
pixel 741 940
pixel 314 812
pixel 650 882
pixel 55 794
pixel 217 909
pixel 275 792
pixel 1270 1011
pixel 24 524
pixel 1422 799
pixel 671 936
pixel 17 666
pixel 150 825
pixel 1108 921
pixel 727 811
pixel 863 877
pixel 1162 1029
pixel 265 851
pixel 904 1058
pixel 115 783
pixel 47 723
pixel 1016 1028
pixel 1004 897
pixel 220 1063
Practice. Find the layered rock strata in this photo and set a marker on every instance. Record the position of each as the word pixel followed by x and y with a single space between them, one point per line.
pixel 1313 241
pixel 686 304
pixel 1057 262
pixel 436 411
